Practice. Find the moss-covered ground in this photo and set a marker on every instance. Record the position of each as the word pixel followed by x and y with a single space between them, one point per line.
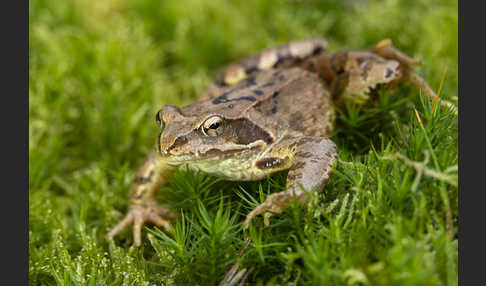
pixel 98 72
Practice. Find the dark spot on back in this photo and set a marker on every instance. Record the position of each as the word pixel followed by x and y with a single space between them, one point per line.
pixel 388 73
pixel 268 84
pixel 251 69
pixel 223 99
pixel 249 98
pixel 275 94
pixel 220 99
pixel 281 57
pixel 274 109
pixel 296 120
pixel 258 92
pixel 250 81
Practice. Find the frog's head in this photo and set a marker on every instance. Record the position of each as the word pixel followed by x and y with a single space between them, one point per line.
pixel 188 137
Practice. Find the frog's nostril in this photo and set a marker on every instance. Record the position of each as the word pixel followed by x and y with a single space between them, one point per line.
pixel 181 140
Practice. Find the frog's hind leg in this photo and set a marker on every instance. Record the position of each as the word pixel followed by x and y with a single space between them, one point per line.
pixel 385 49
pixel 143 206
pixel 355 75
pixel 291 54
pixel 311 160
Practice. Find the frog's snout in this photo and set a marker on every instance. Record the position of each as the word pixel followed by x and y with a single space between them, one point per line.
pixel 171 145
pixel 172 121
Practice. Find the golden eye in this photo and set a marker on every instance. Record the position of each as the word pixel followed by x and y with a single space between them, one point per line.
pixel 213 126
pixel 159 120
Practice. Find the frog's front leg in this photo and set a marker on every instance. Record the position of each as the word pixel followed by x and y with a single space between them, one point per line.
pixel 309 160
pixel 143 206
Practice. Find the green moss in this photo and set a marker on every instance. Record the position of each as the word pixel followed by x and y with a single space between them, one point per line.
pixel 98 72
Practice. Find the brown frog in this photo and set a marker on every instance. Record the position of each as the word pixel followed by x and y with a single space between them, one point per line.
pixel 270 112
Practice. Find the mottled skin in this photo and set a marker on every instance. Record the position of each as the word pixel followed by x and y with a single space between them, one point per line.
pixel 266 113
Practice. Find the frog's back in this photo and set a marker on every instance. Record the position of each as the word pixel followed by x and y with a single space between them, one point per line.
pixel 279 100
pixel 301 104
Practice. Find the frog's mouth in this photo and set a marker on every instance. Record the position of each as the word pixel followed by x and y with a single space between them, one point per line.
pixel 212 155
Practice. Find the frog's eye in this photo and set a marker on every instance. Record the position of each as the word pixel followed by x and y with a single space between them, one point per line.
pixel 159 120
pixel 213 126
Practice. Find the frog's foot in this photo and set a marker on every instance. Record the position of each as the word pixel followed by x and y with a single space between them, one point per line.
pixel 419 83
pixel 275 203
pixel 148 211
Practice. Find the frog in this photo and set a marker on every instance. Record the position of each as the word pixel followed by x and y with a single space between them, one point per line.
pixel 270 112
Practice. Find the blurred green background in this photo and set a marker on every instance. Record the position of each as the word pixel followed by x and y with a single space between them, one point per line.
pixel 98 72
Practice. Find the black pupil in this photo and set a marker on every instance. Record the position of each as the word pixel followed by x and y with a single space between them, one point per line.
pixel 215 125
